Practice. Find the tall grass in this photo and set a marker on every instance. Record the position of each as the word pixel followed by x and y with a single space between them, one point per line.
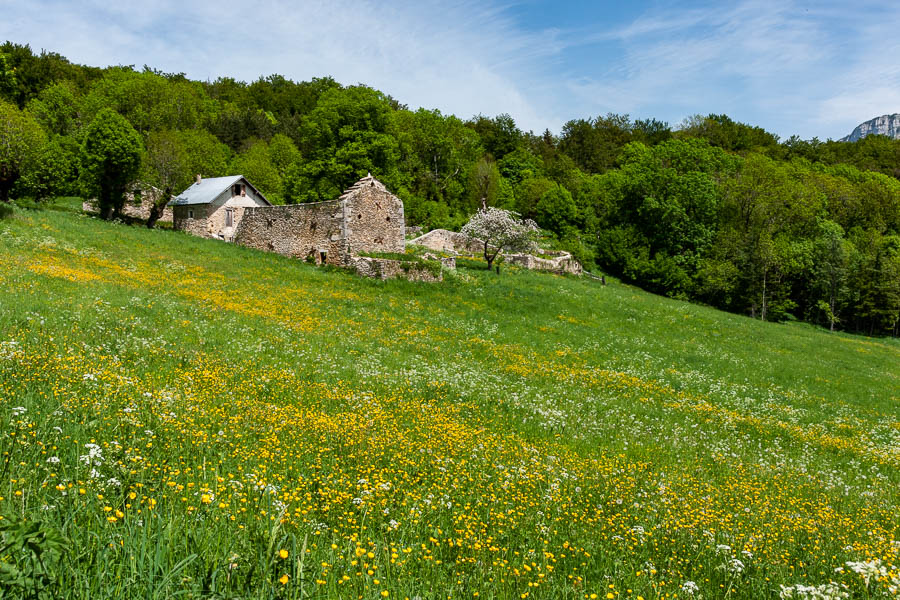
pixel 184 417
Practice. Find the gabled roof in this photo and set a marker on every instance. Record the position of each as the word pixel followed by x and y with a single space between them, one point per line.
pixel 209 189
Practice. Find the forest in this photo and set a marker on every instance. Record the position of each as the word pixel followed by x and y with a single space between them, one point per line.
pixel 709 210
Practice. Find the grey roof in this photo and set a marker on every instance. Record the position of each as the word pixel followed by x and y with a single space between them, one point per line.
pixel 209 189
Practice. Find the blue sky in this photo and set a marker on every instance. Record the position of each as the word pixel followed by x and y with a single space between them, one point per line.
pixel 793 67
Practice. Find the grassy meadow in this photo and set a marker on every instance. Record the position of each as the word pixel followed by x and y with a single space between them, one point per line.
pixel 186 418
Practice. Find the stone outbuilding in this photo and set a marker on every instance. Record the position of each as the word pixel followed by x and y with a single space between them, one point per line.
pixel 214 207
pixel 365 218
pixel 140 198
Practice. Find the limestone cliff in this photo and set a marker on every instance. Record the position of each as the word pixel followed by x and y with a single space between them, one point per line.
pixel 888 125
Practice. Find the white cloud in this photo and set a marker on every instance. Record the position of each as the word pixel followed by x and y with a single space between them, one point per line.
pixel 463 57
pixel 814 69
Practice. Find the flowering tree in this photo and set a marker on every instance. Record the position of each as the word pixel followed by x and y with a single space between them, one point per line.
pixel 499 229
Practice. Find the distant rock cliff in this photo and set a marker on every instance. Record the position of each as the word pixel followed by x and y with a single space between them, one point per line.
pixel 888 125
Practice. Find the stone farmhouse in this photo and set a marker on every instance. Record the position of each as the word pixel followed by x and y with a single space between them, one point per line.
pixel 213 207
pixel 365 218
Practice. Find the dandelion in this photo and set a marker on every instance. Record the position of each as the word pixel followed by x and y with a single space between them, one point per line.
pixel 283 553
pixel 284 579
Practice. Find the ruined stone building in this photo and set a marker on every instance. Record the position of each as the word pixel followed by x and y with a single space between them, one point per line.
pixel 140 198
pixel 214 207
pixel 366 218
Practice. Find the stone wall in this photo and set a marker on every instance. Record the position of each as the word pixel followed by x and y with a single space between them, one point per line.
pixel 442 240
pixel 196 224
pixel 383 268
pixel 366 218
pixel 559 262
pixel 135 207
pixel 296 230
pixel 374 218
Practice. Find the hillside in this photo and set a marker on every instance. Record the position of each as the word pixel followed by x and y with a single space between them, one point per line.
pixel 181 411
pixel 712 210
pixel 888 125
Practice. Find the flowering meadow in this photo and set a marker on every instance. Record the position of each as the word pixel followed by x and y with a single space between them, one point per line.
pixel 182 417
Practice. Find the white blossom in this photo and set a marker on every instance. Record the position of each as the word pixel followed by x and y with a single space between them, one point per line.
pixel 498 230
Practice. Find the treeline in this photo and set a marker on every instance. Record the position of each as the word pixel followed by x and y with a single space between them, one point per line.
pixel 711 210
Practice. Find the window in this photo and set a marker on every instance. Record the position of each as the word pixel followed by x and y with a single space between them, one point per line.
pixel 323 256
pixel 190 213
pixel 229 217
pixel 136 197
pixel 236 189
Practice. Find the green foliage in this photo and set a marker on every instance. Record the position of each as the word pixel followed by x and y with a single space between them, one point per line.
pixel 484 184
pixel 594 144
pixel 256 165
pixel 111 158
pixel 54 171
pixel 499 135
pixel 56 109
pixel 437 155
pixel 349 134
pixel 520 164
pixel 34 550
pixel 21 142
pixel 556 210
pixel 723 132
pixel 149 101
pixel 8 83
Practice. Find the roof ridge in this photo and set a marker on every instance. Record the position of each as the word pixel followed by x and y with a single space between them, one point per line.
pixel 368 179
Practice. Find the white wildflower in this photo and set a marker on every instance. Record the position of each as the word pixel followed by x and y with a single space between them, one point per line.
pixel 690 588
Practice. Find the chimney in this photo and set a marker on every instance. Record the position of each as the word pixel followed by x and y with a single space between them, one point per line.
pixel 199 179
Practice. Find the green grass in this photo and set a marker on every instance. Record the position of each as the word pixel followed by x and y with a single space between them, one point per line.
pixel 178 410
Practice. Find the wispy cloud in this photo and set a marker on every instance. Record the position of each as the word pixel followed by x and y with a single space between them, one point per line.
pixel 792 67
pixel 462 56
pixel 814 70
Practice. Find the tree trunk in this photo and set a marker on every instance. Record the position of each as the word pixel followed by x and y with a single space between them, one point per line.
pixel 487 256
pixel 762 312
pixel 5 187
pixel 831 316
pixel 158 208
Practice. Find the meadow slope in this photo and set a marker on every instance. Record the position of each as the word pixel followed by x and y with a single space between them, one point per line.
pixel 185 417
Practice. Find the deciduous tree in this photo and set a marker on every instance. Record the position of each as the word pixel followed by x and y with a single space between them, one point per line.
pixel 21 141
pixel 498 230
pixel 111 157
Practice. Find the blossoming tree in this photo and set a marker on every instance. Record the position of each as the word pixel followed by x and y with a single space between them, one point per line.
pixel 499 229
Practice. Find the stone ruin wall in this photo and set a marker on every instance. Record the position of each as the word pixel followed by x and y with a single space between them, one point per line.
pixel 370 219
pixel 375 220
pixel 135 211
pixel 296 230
pixel 562 262
pixel 384 268
pixel 442 240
